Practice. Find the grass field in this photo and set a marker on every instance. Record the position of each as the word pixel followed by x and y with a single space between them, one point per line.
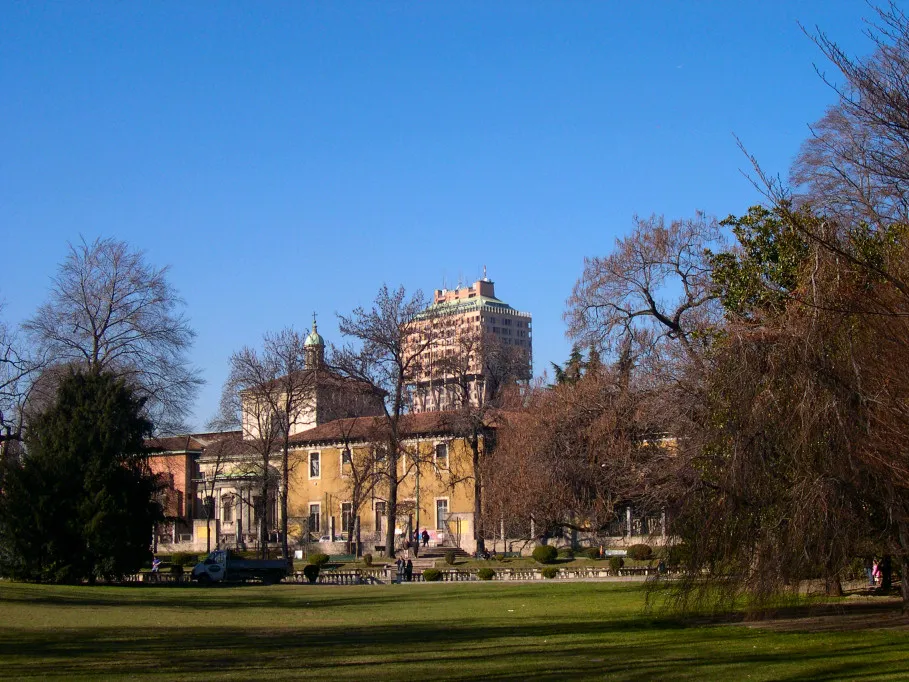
pixel 413 632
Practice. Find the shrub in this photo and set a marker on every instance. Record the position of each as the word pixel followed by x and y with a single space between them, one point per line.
pixel 566 553
pixel 545 554
pixel 450 557
pixel 677 554
pixel 176 569
pixel 432 575
pixel 592 552
pixel 318 559
pixel 615 563
pixel 550 572
pixel 486 574
pixel 311 572
pixel 640 552
pixel 184 558
pixel 367 559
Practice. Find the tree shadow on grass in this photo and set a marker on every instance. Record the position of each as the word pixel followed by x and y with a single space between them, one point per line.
pixel 444 651
pixel 287 596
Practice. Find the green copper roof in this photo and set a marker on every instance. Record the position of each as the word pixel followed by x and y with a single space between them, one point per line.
pixel 314 338
pixel 464 305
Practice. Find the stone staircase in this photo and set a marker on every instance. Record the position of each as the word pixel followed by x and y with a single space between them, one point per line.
pixel 428 556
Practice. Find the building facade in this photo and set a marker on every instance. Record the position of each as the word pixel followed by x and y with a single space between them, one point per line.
pixel 337 484
pixel 467 332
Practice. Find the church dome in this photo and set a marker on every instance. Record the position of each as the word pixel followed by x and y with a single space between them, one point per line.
pixel 314 338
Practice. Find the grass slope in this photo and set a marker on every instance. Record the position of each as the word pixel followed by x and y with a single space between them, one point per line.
pixel 460 631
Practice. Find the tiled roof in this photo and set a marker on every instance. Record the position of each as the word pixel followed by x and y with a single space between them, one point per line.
pixel 190 441
pixel 364 428
pixel 323 377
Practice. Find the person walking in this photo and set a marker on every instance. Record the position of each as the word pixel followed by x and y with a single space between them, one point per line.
pixel 876 574
pixel 408 571
pixel 869 570
pixel 425 538
pixel 400 564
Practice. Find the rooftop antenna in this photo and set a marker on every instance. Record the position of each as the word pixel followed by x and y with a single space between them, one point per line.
pixel 484 273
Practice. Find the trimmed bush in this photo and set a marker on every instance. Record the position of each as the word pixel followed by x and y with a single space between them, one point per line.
pixel 677 554
pixel 367 559
pixel 432 575
pixel 318 559
pixel 615 563
pixel 450 557
pixel 486 574
pixel 545 554
pixel 592 552
pixel 311 572
pixel 640 552
pixel 184 558
pixel 176 569
pixel 550 572
pixel 566 553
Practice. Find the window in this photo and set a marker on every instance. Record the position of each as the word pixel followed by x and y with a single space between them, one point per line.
pixel 441 513
pixel 208 507
pixel 315 518
pixel 346 462
pixel 442 456
pixel 227 509
pixel 346 517
pixel 314 465
pixel 380 514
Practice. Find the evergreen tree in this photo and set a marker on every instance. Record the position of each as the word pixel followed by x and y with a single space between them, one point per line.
pixel 571 372
pixel 80 504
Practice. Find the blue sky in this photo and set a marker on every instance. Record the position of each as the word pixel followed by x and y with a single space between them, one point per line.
pixel 290 157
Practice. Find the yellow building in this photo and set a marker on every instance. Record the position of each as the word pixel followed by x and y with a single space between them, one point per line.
pixel 339 476
pixel 338 479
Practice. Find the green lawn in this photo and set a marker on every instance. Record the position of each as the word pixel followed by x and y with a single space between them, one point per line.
pixel 412 632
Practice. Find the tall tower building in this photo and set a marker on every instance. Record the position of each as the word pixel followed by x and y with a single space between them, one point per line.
pixel 470 335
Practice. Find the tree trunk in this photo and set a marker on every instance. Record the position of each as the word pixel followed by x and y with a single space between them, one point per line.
pixel 886 567
pixel 263 522
pixel 833 587
pixel 904 582
pixel 477 495
pixel 392 502
pixel 285 470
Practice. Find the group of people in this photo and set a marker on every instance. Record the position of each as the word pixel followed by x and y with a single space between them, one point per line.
pixel 414 540
pixel 875 569
pixel 405 570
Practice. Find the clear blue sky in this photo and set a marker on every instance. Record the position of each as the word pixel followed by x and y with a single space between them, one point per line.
pixel 290 157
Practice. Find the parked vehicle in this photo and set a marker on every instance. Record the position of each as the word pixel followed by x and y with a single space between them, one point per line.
pixel 227 566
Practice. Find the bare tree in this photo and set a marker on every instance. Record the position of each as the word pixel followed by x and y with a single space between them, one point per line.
pixel 855 166
pixel 575 454
pixel 482 375
pixel 392 338
pixel 18 369
pixel 109 310
pixel 360 466
pixel 267 395
pixel 652 289
pixel 219 455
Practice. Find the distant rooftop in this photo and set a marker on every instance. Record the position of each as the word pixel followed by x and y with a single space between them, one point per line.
pixel 480 295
